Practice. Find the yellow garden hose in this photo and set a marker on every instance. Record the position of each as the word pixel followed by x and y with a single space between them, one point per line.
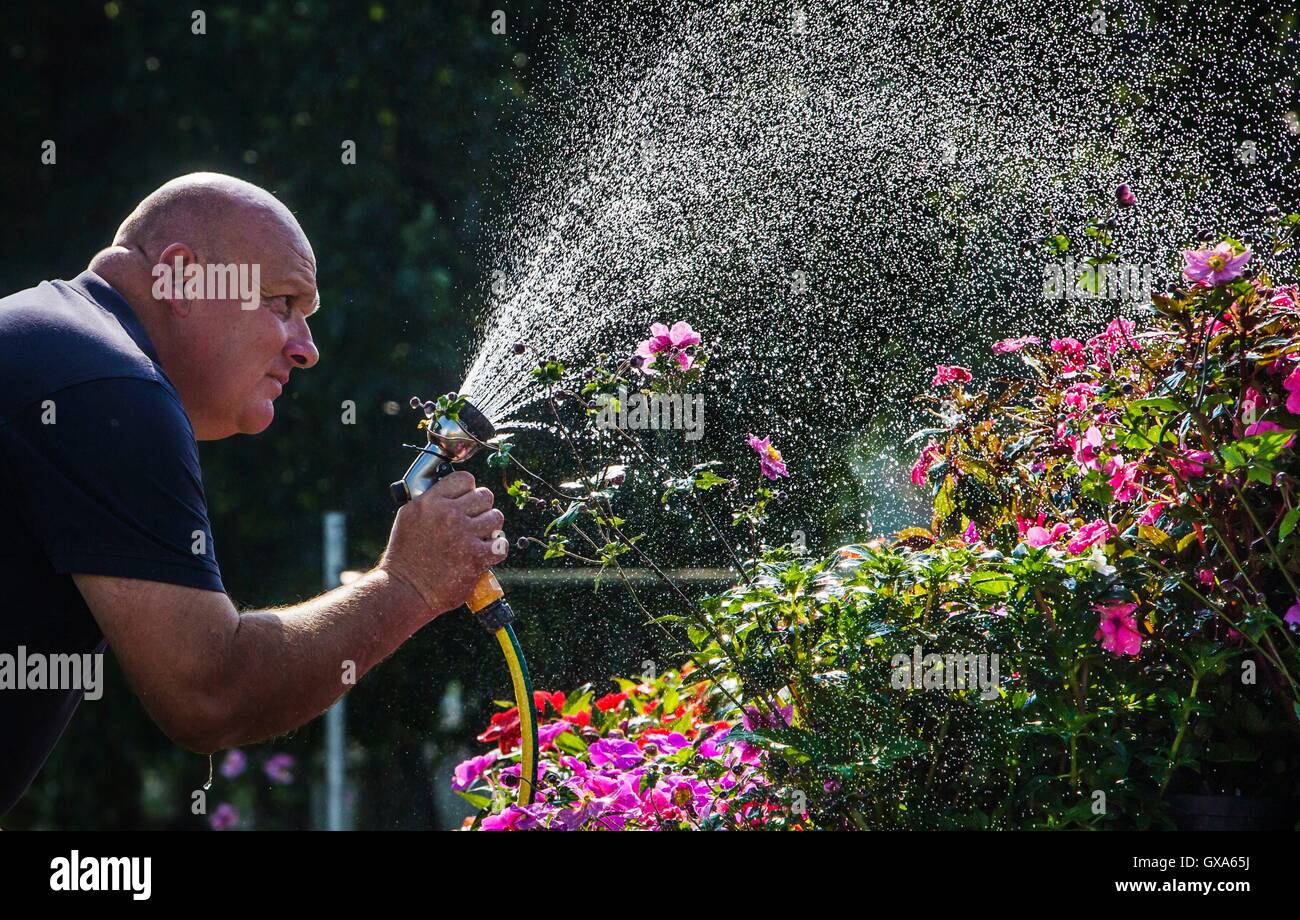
pixel 487 601
pixel 527 713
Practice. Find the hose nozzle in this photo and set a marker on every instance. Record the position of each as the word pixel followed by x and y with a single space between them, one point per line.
pixel 450 441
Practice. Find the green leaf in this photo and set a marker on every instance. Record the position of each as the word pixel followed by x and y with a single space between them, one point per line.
pixel 567 518
pixel 990 582
pixel 570 743
pixel 1288 523
pixel 478 801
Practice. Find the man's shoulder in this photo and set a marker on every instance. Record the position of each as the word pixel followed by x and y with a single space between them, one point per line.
pixel 57 335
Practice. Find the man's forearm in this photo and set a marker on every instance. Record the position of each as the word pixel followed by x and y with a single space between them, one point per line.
pixel 288 665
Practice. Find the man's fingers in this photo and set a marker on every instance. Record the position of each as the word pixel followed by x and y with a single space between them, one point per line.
pixel 475 502
pixel 453 485
pixel 488 524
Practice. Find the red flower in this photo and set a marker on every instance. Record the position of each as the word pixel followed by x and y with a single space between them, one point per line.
pixel 504 730
pixel 611 701
pixel 541 698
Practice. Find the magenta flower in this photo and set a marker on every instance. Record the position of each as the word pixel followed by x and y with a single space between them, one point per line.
pixel 921 468
pixel 614 751
pixel 233 764
pixel 714 745
pixel 971 535
pixel 279 768
pixel 1292 386
pixel 769 458
pixel 1088 536
pixel 1124 196
pixel 1191 464
pixel 1214 266
pixel 513 818
pixel 1293 614
pixel 224 818
pixel 467 773
pixel 1118 630
pixel 1007 346
pixel 950 373
pixel 675 341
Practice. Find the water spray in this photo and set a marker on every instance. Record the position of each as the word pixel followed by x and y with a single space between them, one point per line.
pixel 454 436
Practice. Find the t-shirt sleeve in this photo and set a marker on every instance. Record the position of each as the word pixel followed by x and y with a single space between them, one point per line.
pixel 108 475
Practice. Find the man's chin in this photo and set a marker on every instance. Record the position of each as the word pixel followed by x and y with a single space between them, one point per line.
pixel 258 418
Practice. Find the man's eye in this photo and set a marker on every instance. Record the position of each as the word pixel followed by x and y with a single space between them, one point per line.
pixel 281 304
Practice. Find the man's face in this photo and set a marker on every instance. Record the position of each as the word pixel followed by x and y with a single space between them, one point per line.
pixel 239 360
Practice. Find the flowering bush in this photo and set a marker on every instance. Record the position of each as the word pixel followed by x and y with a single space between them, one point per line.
pixel 1101 611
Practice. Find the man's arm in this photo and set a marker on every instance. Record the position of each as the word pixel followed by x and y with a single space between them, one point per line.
pixel 213 678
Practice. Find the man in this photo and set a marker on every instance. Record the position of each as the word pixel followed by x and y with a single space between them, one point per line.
pixel 106 383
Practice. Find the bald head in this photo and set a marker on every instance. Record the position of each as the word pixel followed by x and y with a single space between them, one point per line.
pixel 229 358
pixel 211 212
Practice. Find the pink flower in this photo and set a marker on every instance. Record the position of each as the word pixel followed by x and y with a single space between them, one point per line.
pixel 1152 514
pixel 950 373
pixel 1124 480
pixel 1078 396
pixel 1006 346
pixel 468 772
pixel 1118 630
pixel 1191 464
pixel 1088 536
pixel 1214 266
pixel 1252 406
pixel 674 341
pixel 1292 386
pixel 1124 196
pixel 769 458
pixel 1206 577
pixel 1268 428
pixel 1087 452
pixel 1039 537
pixel 971 535
pixel 1293 614
pixel 921 468
pixel 1072 348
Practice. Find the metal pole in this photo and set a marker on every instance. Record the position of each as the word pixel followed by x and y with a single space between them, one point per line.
pixel 336 718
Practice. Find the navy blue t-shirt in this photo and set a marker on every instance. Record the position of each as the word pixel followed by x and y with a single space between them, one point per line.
pixel 99 475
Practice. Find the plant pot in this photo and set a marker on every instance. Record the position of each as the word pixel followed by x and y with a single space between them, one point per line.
pixel 1233 813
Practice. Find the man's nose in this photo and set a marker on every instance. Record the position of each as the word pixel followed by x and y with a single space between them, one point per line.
pixel 301 348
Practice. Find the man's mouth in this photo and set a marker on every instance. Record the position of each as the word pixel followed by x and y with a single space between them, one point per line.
pixel 282 382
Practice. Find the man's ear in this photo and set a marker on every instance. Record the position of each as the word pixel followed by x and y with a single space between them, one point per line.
pixel 169 275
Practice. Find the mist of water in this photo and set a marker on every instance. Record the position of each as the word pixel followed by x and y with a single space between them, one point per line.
pixel 835 194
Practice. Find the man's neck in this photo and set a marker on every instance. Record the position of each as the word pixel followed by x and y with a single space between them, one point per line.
pixel 121 268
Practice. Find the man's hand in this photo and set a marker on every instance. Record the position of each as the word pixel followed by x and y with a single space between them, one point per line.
pixel 444 540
